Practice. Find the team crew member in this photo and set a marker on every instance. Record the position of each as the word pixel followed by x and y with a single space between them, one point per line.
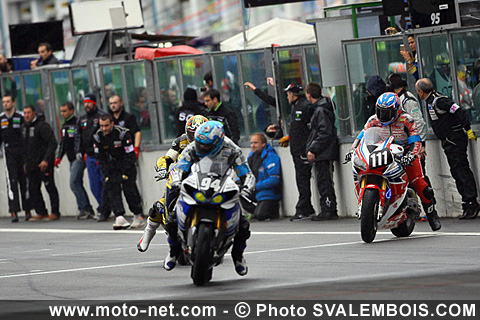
pixel 87 125
pixel 40 146
pixel 265 165
pixel 67 147
pixel 223 114
pixel 116 157
pixel 392 121
pixel 210 140
pixel 322 149
pixel 125 119
pixel 451 125
pixel 188 109
pixel 14 149
pixel 297 138
pixel 160 209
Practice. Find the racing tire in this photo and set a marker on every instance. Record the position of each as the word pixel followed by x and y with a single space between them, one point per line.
pixel 405 229
pixel 201 268
pixel 368 217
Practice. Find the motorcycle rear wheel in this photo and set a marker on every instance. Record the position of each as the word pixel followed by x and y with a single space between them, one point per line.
pixel 368 218
pixel 405 229
pixel 201 273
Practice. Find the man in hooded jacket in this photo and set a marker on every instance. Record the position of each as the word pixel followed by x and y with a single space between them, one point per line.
pixel 322 149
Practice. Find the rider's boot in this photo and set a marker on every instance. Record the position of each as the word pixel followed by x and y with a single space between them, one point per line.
pixel 148 234
pixel 239 245
pixel 156 216
pixel 239 262
pixel 171 259
pixel 429 208
pixel 432 216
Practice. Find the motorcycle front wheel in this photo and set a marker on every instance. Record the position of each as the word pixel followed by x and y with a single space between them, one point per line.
pixel 201 273
pixel 368 217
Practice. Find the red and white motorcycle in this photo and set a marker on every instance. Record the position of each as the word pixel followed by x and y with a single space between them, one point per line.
pixel 381 183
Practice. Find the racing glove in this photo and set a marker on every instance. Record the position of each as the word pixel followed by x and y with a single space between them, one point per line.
pixel 348 156
pixel 284 141
pixel 246 193
pixel 471 135
pixel 407 159
pixel 161 174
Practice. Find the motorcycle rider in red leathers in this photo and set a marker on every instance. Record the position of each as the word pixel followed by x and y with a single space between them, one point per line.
pixel 393 122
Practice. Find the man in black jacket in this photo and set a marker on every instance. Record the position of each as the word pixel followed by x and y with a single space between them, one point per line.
pixel 67 147
pixel 116 157
pixel 451 125
pixel 223 114
pixel 40 146
pixel 297 138
pixel 322 149
pixel 126 120
pixel 189 108
pixel 13 152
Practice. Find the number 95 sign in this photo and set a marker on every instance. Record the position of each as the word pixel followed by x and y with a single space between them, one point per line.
pixel 430 13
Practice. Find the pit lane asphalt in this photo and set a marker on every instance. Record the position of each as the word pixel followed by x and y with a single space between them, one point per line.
pixel 75 259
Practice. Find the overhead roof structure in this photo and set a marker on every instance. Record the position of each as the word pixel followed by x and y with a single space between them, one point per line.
pixel 277 31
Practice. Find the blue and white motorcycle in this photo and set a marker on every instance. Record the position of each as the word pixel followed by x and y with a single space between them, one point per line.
pixel 208 215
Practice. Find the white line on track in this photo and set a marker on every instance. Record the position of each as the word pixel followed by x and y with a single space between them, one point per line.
pixel 88 231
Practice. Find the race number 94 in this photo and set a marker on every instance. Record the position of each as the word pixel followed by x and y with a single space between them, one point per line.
pixel 207 183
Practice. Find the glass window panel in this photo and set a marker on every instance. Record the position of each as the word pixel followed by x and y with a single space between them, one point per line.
pixel 112 78
pixel 313 65
pixel 467 58
pixel 338 95
pixel 436 63
pixel 137 97
pixel 33 91
pixel 169 80
pixel 291 71
pixel 360 68
pixel 81 86
pixel 61 93
pixel 260 114
pixel 11 85
pixel 389 58
pixel 192 73
pixel 226 81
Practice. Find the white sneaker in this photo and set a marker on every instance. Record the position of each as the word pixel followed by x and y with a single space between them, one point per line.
pixel 121 223
pixel 138 221
pixel 148 234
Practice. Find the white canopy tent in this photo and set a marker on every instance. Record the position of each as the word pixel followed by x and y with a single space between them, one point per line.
pixel 277 31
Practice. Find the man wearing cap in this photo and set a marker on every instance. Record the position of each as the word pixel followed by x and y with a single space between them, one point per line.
pixel 87 125
pixel 298 135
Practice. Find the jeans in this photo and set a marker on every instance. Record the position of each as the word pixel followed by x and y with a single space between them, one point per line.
pixel 95 177
pixel 77 169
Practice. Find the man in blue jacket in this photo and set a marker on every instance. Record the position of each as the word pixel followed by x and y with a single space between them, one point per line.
pixel 265 165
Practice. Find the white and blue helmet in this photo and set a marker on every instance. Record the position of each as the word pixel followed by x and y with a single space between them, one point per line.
pixel 209 138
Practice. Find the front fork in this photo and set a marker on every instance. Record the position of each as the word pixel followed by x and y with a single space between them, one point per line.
pixel 373 182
